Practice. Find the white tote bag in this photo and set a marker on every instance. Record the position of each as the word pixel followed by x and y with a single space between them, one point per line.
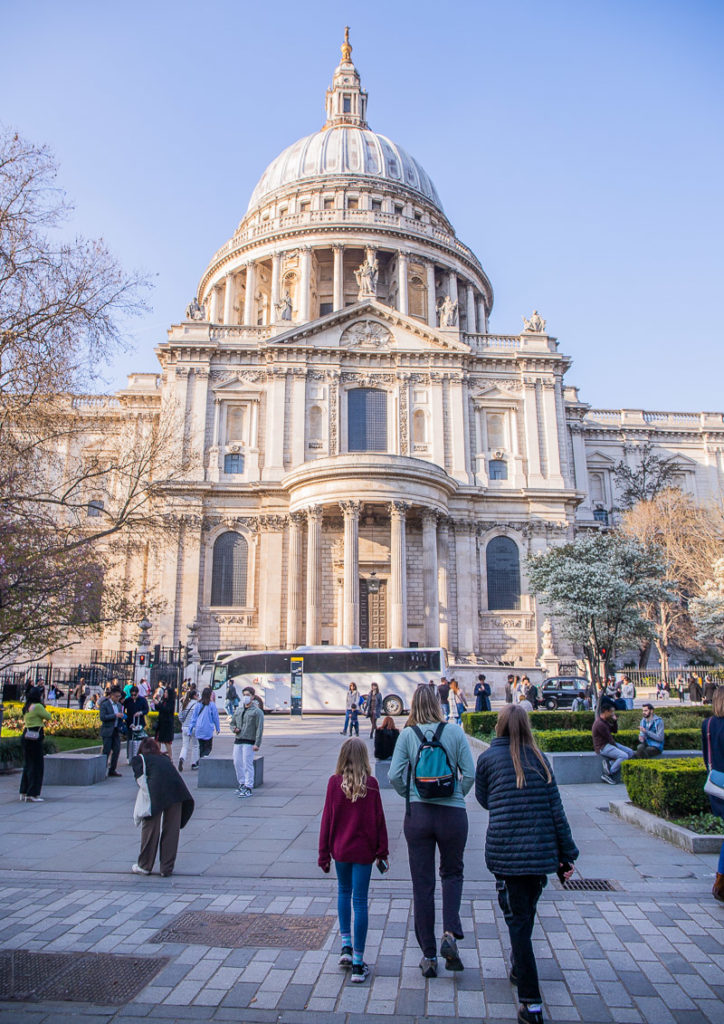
pixel 142 807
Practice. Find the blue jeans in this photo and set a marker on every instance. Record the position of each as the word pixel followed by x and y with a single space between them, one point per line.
pixel 353 882
pixel 720 867
pixel 445 710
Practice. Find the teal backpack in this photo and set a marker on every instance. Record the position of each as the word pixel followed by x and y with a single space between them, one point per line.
pixel 434 775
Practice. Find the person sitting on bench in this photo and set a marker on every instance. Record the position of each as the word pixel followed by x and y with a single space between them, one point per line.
pixel 613 754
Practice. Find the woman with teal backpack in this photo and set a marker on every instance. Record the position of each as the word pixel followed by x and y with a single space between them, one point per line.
pixel 432 767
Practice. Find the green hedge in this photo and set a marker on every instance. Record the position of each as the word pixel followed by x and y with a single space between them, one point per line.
pixel 668 788
pixel 70 722
pixel 481 722
pixel 11 751
pixel 579 740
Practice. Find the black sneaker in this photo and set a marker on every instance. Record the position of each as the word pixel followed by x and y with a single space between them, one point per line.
pixel 449 950
pixel 359 973
pixel 428 966
pixel 607 778
pixel 513 977
pixel 345 957
pixel 526 1016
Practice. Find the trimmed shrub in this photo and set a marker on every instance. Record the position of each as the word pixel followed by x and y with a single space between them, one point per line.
pixel 481 722
pixel 11 751
pixel 580 741
pixel 669 789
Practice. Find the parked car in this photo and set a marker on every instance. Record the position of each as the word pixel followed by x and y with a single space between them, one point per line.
pixel 561 691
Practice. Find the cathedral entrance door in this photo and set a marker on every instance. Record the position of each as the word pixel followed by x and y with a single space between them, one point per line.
pixel 372 615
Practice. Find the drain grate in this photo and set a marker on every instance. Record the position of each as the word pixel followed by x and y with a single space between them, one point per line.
pixel 589 885
pixel 104 979
pixel 235 931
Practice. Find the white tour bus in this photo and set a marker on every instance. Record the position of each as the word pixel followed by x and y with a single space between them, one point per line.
pixel 327 673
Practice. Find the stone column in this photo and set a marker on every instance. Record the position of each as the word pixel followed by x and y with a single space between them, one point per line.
pixel 552 438
pixel 294 579
pixel 443 553
pixel 270 589
pixel 350 631
pixel 431 301
pixel 314 558
pixel 229 299
pixel 470 296
pixel 249 300
pixel 276 410
pixel 305 284
pixel 214 306
pixel 398 575
pixel 429 578
pixel 467 588
pixel 338 285
pixel 580 469
pixel 275 285
pixel 482 326
pixel 532 443
pixel 452 287
pixel 402 290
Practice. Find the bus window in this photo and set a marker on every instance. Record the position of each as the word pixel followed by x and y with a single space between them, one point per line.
pixel 219 676
pixel 363 661
pixel 278 664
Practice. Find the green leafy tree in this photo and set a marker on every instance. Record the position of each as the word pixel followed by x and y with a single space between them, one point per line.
pixel 597 587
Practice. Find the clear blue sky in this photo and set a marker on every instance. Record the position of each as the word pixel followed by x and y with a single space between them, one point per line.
pixel 577 148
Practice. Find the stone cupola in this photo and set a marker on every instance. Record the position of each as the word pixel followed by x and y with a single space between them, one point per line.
pixel 346 100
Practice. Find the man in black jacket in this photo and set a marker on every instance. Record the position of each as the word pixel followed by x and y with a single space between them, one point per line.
pixel 443 692
pixel 111 712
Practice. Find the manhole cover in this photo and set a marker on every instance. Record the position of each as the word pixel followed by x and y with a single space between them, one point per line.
pixel 75 977
pixel 289 931
pixel 588 885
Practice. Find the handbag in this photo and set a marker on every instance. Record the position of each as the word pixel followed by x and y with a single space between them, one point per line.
pixel 142 807
pixel 32 734
pixel 714 785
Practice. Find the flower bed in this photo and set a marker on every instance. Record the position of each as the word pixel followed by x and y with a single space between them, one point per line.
pixel 69 722
pixel 668 788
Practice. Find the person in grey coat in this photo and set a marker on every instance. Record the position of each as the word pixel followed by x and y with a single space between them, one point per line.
pixel 528 838
pixel 112 714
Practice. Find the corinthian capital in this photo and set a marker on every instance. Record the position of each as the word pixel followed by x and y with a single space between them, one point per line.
pixel 350 507
pixel 398 509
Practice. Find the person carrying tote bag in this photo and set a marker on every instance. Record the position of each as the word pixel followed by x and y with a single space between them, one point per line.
pixel 34 714
pixel 164 813
pixel 432 767
pixel 712 748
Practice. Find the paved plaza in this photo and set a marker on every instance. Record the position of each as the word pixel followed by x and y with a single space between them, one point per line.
pixel 651 951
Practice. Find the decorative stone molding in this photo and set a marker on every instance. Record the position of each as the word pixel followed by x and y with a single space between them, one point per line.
pixel 350 508
pixel 398 509
pixel 405 420
pixel 272 523
pixel 366 334
pixel 211 522
pixel 232 619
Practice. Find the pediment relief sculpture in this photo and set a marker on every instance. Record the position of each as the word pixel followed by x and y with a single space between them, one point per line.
pixel 366 334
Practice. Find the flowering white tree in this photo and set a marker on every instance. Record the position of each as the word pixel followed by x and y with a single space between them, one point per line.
pixel 707 610
pixel 597 587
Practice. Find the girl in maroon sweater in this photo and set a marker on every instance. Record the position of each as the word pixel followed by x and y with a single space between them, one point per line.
pixel 354 834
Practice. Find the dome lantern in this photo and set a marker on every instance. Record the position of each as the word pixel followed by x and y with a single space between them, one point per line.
pixel 346 101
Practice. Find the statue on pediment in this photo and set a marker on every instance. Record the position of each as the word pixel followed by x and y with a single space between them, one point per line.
pixel 534 324
pixel 367 275
pixel 448 312
pixel 194 311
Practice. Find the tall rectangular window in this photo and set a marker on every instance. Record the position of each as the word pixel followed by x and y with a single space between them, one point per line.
pixel 367 420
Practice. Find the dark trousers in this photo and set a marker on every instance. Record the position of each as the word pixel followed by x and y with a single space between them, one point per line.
pixel 112 748
pixel 205 747
pixel 427 827
pixel 165 826
pixel 643 751
pixel 31 781
pixel 518 897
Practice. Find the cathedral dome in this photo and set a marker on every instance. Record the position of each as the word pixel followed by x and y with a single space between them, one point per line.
pixel 344 149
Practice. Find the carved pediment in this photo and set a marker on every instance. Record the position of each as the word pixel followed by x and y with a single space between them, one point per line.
pixel 366 334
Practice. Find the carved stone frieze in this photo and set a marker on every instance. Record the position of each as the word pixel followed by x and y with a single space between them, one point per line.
pixel 211 522
pixel 272 523
pixel 232 619
pixel 366 334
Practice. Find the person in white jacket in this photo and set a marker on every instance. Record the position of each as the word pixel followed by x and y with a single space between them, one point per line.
pixel 189 742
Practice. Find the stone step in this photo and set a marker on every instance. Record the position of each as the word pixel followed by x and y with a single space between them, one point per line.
pixel 219 773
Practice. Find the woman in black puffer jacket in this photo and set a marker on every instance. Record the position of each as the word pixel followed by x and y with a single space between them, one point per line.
pixel 528 838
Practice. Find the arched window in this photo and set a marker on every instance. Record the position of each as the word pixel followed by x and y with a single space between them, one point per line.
pixel 417 297
pixel 95 507
pixel 233 463
pixel 601 515
pixel 315 423
pixel 498 469
pixel 496 430
pixel 228 572
pixel 503 566
pixel 367 420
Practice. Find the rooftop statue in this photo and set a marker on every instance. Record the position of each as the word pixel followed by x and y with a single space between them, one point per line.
pixel 366 275
pixel 194 311
pixel 535 324
pixel 284 307
pixel 448 311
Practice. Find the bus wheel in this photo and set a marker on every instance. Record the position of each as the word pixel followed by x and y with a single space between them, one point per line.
pixel 392 706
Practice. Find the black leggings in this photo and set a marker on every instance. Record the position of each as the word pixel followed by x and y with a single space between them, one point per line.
pixel 31 781
pixel 518 897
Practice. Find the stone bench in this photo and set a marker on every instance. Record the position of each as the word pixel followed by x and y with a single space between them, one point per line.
pixel 577 767
pixel 73 769
pixel 219 773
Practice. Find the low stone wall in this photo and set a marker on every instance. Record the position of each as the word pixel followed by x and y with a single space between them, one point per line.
pixel 74 769
pixel 681 837
pixel 572 768
pixel 219 773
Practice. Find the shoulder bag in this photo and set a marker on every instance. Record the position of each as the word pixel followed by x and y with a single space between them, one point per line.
pixel 142 807
pixel 714 785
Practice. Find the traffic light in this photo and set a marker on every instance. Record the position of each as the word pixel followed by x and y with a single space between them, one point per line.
pixel 603 651
pixel 156 656
pixel 141 659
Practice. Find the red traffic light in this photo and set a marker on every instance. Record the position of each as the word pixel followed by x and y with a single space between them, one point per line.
pixel 141 659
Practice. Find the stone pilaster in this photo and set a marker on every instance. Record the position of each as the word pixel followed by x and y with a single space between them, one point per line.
pixel 398 574
pixel 294 580
pixel 350 631
pixel 443 555
pixel 249 298
pixel 429 578
pixel 314 559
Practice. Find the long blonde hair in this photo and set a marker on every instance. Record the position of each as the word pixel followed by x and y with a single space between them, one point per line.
pixel 513 722
pixel 353 764
pixel 425 707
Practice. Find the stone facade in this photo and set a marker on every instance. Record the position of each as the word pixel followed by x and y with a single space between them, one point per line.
pixel 345 274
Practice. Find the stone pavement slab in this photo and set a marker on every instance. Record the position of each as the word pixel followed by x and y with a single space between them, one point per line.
pixel 652 951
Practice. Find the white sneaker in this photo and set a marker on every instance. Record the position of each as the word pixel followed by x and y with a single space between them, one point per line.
pixel 36 799
pixel 138 870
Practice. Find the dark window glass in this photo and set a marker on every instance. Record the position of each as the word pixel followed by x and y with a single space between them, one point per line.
pixel 498 469
pixel 94 508
pixel 278 664
pixel 503 565
pixel 233 463
pixel 346 104
pixel 325 307
pixel 601 516
pixel 376 204
pixel 228 573
pixel 248 665
pixel 367 420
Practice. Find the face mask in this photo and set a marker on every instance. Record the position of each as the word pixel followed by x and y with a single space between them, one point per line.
pixel 247 699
